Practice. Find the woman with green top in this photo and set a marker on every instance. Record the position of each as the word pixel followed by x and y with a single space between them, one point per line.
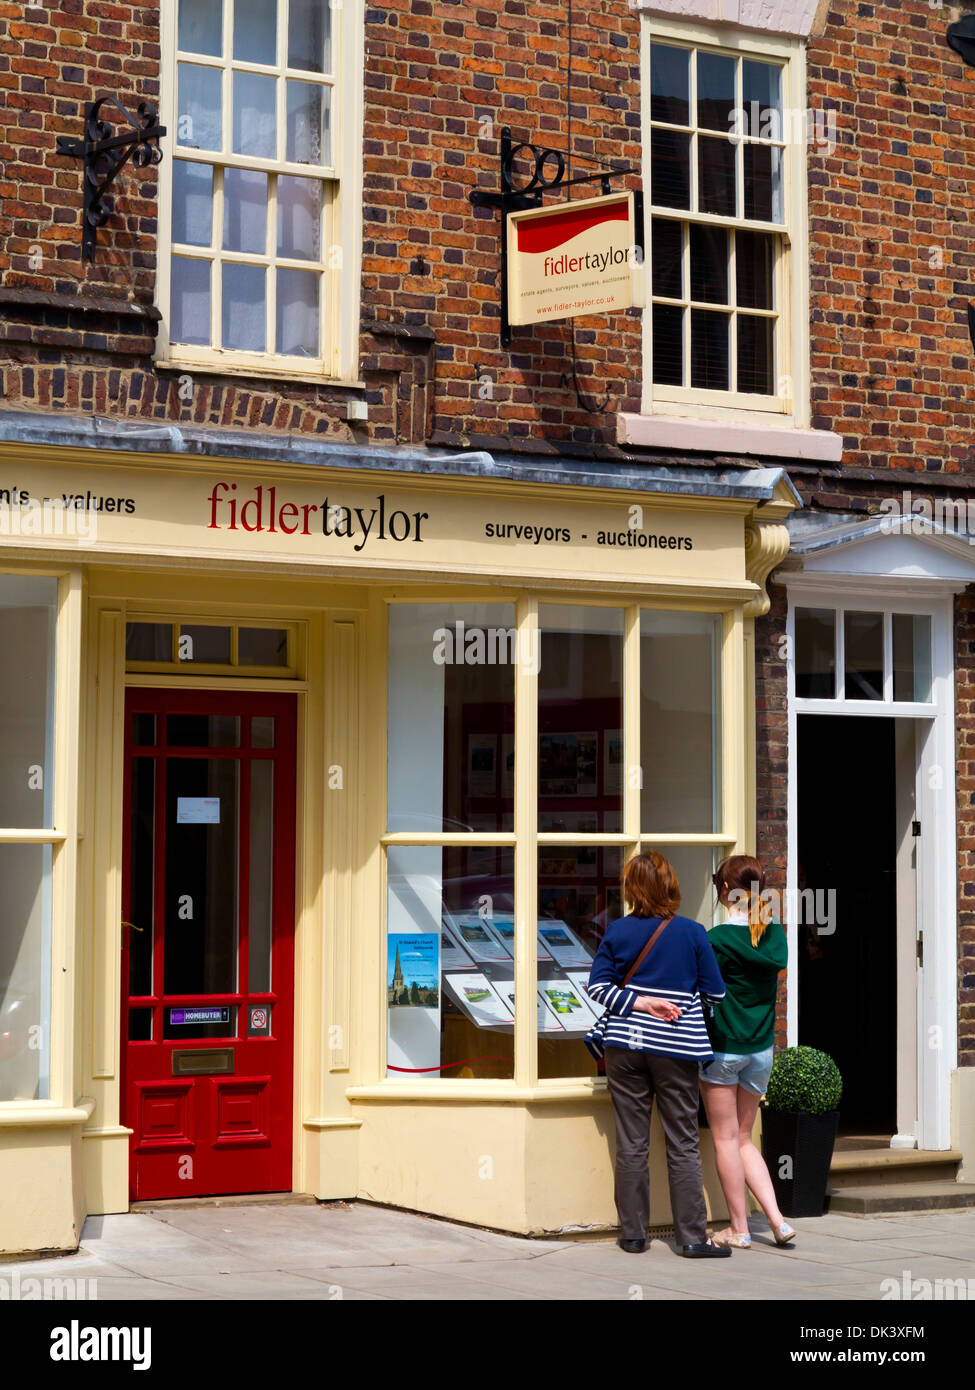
pixel 751 951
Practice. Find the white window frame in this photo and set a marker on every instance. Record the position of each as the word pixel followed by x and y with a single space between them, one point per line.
pixel 342 206
pixel 937 1000
pixel 790 407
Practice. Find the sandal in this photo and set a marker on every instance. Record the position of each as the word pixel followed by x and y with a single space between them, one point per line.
pixel 784 1234
pixel 737 1240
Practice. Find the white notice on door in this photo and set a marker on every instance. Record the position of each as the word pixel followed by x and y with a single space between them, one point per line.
pixel 198 810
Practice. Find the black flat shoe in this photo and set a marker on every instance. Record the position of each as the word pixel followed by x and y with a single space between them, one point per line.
pixel 707 1250
pixel 634 1247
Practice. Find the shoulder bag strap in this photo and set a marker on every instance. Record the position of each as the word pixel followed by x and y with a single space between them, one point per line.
pixel 645 952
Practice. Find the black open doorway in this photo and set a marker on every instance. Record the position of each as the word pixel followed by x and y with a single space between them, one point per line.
pixel 847 845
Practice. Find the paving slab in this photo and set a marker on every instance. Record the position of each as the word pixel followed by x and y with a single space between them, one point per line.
pixel 332 1251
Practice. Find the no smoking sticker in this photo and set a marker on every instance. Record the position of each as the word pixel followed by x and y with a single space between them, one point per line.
pixel 258 1019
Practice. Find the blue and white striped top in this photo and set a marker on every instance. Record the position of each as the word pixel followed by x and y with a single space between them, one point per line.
pixel 681 967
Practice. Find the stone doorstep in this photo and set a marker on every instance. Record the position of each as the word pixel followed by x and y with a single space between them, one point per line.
pixel 904 1198
pixel 873 1167
pixel 243 1199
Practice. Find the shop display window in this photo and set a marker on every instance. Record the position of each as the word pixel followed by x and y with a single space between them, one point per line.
pixel 28 624
pixel 458 840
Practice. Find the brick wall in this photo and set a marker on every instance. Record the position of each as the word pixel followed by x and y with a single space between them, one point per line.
pixel 891 212
pixel 441 80
pixel 965 755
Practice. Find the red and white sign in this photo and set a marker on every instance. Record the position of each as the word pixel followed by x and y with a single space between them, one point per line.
pixel 572 259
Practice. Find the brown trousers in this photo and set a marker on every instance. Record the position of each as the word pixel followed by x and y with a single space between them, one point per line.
pixel 634 1079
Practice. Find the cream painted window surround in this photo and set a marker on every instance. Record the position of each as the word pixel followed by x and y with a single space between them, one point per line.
pixel 684 416
pixel 260 189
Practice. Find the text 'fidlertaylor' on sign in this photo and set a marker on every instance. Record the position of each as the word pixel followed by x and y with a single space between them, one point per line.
pixel 573 259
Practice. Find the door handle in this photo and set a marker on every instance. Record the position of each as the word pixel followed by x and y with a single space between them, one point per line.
pixel 920 949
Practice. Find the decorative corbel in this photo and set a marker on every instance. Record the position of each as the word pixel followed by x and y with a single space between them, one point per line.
pixel 766 545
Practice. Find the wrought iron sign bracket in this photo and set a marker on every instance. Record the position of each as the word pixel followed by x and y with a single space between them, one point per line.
pixel 105 156
pixel 514 197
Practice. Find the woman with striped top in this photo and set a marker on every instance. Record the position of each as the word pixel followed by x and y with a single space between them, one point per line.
pixel 655 1039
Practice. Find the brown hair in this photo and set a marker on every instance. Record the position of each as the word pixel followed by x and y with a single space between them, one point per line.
pixel 650 886
pixel 744 877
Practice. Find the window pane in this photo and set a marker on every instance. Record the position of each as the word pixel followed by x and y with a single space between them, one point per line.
pixel 204 642
pixel 261 896
pixel 912 656
pixel 142 832
pixel 192 203
pixel 709 263
pixel 201 27
pixel 670 168
pixel 244 211
pixel 202 731
pixel 25 985
pixel 580 715
pixel 756 355
pixel 256 31
pixel 143 730
pixel 815 653
pixel 298 313
pixel 148 642
pixel 452 716
pixel 693 865
pixel 668 345
pixel 450 962
pixel 670 84
pixel 762 83
pixel 255 118
pixel 716 176
pixel 578 896
pixel 262 731
pixel 715 92
pixel 199 107
pixel 667 256
pixel 309 35
pixel 709 350
pixel 189 310
pixel 244 308
pixel 28 623
pixel 200 954
pixel 763 183
pixel 864 637
pixel 754 269
pixel 308 117
pixel 679 721
pixel 262 646
pixel 299 218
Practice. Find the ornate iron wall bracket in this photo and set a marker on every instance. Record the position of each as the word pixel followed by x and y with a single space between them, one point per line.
pixel 511 196
pixel 105 155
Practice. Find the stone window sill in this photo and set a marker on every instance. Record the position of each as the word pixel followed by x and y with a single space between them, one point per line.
pixel 728 437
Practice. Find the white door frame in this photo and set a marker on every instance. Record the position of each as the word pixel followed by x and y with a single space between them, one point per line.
pixel 937 1021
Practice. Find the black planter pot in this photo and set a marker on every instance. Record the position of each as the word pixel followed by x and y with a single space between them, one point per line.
pixel 808 1141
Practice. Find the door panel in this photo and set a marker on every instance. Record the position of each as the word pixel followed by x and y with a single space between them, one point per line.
pixel 208 941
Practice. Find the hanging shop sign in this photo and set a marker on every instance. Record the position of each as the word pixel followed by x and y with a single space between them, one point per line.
pixel 574 258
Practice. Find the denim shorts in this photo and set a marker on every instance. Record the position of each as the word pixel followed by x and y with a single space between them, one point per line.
pixel 749 1070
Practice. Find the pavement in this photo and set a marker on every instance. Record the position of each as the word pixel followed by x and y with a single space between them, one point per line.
pixel 358 1251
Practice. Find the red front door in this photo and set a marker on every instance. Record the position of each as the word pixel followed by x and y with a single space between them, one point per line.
pixel 208 941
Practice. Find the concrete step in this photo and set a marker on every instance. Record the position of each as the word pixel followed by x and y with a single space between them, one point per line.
pixel 876 1167
pixel 886 1199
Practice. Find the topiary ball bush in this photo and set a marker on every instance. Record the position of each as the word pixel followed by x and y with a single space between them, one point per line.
pixel 804 1079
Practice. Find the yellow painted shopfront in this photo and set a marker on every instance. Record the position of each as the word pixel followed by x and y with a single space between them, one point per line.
pixel 317 781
